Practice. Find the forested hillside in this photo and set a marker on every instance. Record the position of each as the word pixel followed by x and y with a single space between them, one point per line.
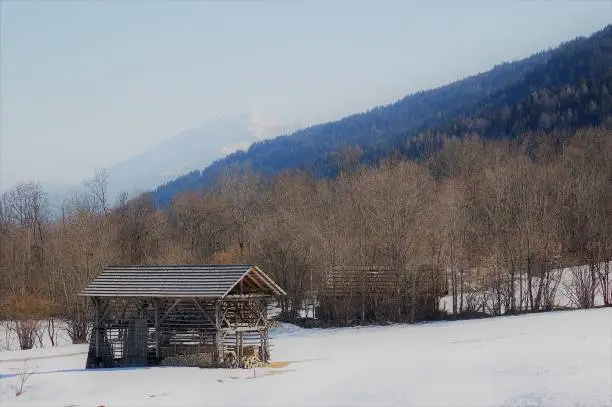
pixel 570 91
pixel 565 88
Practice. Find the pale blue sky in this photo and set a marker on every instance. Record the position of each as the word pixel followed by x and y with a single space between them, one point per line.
pixel 86 84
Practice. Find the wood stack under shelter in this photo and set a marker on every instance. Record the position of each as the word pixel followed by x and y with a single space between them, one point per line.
pixel 362 294
pixel 145 315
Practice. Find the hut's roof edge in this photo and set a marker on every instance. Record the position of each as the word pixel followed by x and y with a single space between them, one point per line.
pixel 211 281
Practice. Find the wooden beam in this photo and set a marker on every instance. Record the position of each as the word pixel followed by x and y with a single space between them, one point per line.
pixel 157 330
pixel 217 354
pixel 96 327
pixel 223 333
pixel 256 281
pixel 244 297
pixel 237 348
pixel 170 309
pixel 257 312
pixel 241 345
pixel 243 329
pixel 217 314
pixel 203 311
pixel 125 308
pixel 229 325
pixel 103 309
pixel 265 350
pixel 271 283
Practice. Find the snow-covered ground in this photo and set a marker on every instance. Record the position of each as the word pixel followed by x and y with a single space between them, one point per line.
pixel 562 288
pixel 552 359
pixel 9 340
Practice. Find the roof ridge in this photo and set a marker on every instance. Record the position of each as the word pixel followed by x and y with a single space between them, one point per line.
pixel 176 265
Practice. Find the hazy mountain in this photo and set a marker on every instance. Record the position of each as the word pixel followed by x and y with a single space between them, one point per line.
pixel 190 150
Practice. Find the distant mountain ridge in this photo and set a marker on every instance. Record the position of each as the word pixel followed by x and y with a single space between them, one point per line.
pixel 189 150
pixel 388 130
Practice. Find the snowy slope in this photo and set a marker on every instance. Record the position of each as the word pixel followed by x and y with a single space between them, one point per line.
pixel 553 359
pixel 564 293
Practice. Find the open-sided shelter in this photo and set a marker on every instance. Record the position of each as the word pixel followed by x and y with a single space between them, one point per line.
pixel 145 314
pixel 357 293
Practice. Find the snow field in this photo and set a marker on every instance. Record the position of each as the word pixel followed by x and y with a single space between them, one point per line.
pixel 549 359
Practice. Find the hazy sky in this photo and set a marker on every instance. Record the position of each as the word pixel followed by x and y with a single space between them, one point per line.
pixel 86 84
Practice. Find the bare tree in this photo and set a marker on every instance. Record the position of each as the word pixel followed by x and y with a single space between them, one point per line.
pixel 580 287
pixel 139 231
pixel 98 187
pixel 24 374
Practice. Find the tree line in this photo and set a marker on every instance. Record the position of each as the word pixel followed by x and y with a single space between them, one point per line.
pixel 499 217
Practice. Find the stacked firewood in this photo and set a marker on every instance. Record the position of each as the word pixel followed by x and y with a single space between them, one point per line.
pixel 190 360
pixel 251 361
pixel 251 358
pixel 230 360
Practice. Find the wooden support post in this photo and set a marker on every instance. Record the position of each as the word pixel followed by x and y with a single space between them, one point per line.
pixel 94 355
pixel 265 350
pixel 157 331
pixel 217 315
pixel 217 349
pixel 241 344
pixel 261 347
pixel 237 346
pixel 217 338
pixel 362 298
pixel 203 311
pixel 96 327
pixel 169 310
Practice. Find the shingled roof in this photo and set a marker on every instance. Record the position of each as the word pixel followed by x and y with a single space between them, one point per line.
pixel 212 281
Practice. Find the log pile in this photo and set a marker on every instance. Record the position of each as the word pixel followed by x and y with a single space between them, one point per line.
pixel 189 360
pixel 249 360
pixel 230 360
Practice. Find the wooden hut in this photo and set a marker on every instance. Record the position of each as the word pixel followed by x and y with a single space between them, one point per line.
pixel 144 315
pixel 360 294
